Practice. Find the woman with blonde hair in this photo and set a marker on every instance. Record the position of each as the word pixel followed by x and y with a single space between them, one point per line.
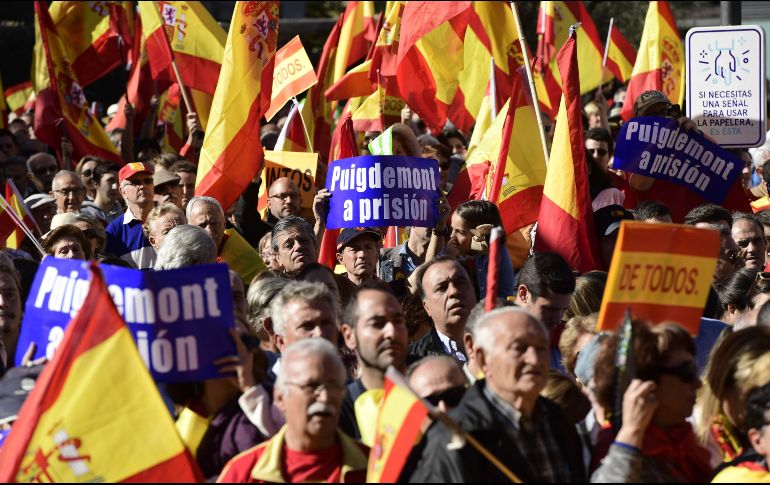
pixel 728 379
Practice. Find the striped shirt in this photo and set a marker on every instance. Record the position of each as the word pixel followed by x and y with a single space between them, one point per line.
pixel 126 240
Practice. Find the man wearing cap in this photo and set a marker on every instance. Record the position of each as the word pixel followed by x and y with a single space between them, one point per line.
pixel 679 199
pixel 43 208
pixel 607 220
pixel 357 251
pixel 125 237
pixel 167 188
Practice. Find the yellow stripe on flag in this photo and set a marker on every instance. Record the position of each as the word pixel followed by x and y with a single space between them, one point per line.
pixel 560 179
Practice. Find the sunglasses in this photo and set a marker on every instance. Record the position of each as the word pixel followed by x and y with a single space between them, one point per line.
pixel 451 396
pixel 87 173
pixel 732 256
pixel 687 372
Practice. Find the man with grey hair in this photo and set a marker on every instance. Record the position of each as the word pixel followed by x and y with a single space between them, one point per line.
pixel 528 433
pixel 68 192
pixel 294 244
pixel 472 367
pixel 309 447
pixel 207 213
pixel 185 246
pixel 302 310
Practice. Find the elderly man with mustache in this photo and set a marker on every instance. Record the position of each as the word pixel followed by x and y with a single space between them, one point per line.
pixel 309 448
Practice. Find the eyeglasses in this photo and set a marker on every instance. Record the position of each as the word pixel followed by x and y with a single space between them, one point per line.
pixel 687 372
pixel 731 256
pixel 451 396
pixel 600 151
pixel 68 192
pixel 316 388
pixel 138 182
pixel 293 195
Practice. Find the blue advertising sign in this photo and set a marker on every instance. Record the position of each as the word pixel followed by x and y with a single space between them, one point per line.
pixel 180 318
pixel 658 148
pixel 376 191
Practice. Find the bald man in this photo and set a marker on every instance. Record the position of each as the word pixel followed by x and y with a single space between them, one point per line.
pixel 439 379
pixel 68 192
pixel 283 200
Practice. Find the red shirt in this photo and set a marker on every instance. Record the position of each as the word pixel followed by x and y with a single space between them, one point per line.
pixel 322 466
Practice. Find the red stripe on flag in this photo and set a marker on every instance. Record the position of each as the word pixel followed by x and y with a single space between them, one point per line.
pixel 158 53
pixel 493 268
pixel 98 59
pixel 422 17
pixel 562 235
pixel 414 71
pixel 581 14
pixel 671 245
pixel 615 312
pixel 17 87
pixel 459 114
pixel 664 10
pixel 197 72
pixel 623 45
pixel 639 83
pixel 521 209
pixel 404 442
pixel 160 472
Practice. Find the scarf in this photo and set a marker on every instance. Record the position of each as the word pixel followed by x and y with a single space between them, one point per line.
pixel 724 435
pixel 678 452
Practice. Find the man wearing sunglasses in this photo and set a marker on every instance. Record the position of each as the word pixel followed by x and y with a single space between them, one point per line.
pixel 439 380
pixel 125 237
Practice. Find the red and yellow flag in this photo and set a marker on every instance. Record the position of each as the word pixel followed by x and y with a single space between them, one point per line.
pixel 95 413
pixel 661 272
pixel 560 16
pixel 16 202
pixel 18 95
pixel 566 225
pixel 91 34
pixel 61 108
pixel 385 50
pixel 621 55
pixel 353 84
pixel 399 429
pixel 232 152
pixel 292 75
pixel 357 32
pixel 660 63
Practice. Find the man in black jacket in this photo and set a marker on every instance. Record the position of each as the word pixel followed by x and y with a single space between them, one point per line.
pixel 505 413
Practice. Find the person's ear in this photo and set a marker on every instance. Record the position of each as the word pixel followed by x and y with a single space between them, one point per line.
pixel 468 342
pixel 481 358
pixel 755 439
pixel 522 294
pixel 278 399
pixel 339 257
pixel 349 335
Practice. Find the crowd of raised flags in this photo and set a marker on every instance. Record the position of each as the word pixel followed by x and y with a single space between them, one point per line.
pixel 632 352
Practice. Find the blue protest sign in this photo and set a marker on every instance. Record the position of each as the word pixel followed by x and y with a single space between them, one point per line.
pixel 180 318
pixel 383 191
pixel 658 148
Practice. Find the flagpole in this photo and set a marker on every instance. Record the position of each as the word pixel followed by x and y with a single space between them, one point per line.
pixel 187 102
pixel 492 89
pixel 304 126
pixel 7 207
pixel 606 50
pixel 532 91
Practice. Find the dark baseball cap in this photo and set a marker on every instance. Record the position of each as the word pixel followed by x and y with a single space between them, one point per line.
pixel 15 386
pixel 347 235
pixel 608 218
pixel 648 99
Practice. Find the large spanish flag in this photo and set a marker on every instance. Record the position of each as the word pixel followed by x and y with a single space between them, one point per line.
pixel 232 153
pixel 357 32
pixel 560 16
pixel 95 414
pixel 660 63
pixel 621 56
pixel 61 108
pixel 566 224
pixel 91 35
pixel 399 429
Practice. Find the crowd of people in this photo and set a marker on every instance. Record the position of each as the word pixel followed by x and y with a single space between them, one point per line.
pixel 533 381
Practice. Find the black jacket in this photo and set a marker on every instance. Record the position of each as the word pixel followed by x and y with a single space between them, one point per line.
pixel 436 464
pixel 429 344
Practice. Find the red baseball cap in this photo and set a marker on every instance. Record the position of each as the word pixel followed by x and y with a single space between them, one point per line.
pixel 131 169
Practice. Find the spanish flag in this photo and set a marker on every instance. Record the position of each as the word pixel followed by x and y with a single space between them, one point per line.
pixel 385 51
pixel 95 414
pixel 61 108
pixel 557 18
pixel 16 202
pixel 232 153
pixel 188 34
pixel 621 55
pixel 660 63
pixel 566 224
pixel 399 428
pixel 91 33
pixel 353 84
pixel 18 95
pixel 491 50
pixel 357 32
